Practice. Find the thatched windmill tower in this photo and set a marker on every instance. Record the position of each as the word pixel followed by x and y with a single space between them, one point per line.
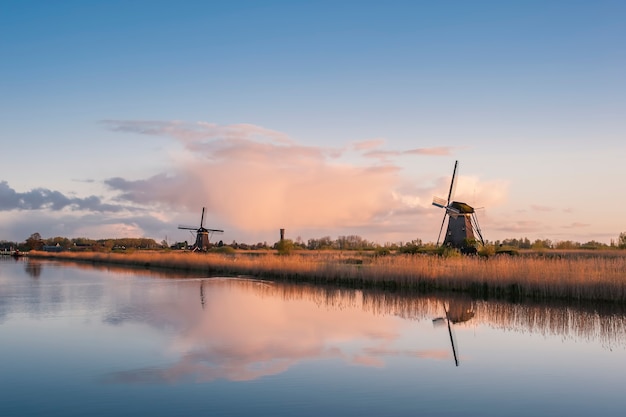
pixel 463 229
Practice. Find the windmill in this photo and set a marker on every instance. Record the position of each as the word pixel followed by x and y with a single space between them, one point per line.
pixel 463 229
pixel 202 234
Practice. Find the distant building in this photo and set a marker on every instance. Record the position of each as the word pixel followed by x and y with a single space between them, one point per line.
pixel 53 248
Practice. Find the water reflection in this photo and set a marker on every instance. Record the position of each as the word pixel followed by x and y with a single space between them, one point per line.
pixel 240 329
pixel 459 310
pixel 33 268
pixel 244 329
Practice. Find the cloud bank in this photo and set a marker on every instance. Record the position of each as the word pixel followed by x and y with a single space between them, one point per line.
pixel 43 198
pixel 260 179
pixel 255 180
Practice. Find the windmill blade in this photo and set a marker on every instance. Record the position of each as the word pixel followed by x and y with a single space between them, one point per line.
pixel 456 359
pixel 441 229
pixel 439 202
pixel 202 219
pixel 187 227
pixel 477 229
pixel 215 230
pixel 451 192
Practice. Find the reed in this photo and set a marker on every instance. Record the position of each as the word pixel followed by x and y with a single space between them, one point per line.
pixel 600 278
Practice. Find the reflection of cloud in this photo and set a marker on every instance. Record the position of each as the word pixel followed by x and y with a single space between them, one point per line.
pixel 247 330
pixel 427 354
pixel 368 360
pixel 201 369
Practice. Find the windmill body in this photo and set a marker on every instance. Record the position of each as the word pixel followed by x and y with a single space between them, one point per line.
pixel 202 234
pixel 462 230
pixel 459 232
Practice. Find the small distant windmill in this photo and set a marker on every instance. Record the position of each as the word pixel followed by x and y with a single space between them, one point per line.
pixel 202 234
pixel 463 229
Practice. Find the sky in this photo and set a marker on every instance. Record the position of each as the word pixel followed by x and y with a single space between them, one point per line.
pixel 326 118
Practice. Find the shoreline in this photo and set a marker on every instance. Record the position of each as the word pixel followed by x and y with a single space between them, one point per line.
pixel 514 278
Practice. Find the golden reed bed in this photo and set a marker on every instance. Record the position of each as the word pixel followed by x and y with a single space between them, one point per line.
pixel 600 278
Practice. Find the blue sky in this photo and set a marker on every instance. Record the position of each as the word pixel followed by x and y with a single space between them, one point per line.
pixel 324 118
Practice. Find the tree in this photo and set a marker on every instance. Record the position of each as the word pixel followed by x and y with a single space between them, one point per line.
pixel 593 245
pixel 321 243
pixel 622 241
pixel 6 245
pixel 34 242
pixel 542 244
pixel 567 244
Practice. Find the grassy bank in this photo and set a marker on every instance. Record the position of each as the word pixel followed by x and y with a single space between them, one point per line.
pixel 597 278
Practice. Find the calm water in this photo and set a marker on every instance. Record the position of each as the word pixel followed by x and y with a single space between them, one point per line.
pixel 79 340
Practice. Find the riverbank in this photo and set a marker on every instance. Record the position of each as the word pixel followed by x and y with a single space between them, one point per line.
pixel 593 278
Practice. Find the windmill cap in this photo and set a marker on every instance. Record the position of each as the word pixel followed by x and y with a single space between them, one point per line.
pixel 462 207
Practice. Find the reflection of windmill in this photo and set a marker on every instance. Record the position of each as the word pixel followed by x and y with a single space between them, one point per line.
pixel 33 269
pixel 457 312
pixel 202 234
pixel 202 293
pixel 463 228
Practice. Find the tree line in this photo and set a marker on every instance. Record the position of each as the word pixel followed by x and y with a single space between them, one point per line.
pixel 349 242
pixel 36 242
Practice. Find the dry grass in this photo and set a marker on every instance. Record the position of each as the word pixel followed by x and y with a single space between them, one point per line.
pixel 564 277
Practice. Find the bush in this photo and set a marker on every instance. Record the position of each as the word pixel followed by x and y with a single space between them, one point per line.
pixel 449 252
pixel 284 247
pixel 507 250
pixel 222 249
pixel 409 249
pixel 382 251
pixel 487 251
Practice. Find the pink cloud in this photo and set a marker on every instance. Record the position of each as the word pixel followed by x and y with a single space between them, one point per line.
pixel 577 225
pixel 520 226
pixel 436 151
pixel 368 144
pixel 536 207
pixel 256 180
pixel 384 154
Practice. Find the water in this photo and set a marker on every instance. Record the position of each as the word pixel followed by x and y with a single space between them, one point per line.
pixel 79 340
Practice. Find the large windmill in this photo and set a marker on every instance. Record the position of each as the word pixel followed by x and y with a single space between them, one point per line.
pixel 202 234
pixel 463 229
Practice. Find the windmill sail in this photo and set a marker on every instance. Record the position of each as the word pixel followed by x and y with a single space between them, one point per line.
pixel 452 187
pixel 439 202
